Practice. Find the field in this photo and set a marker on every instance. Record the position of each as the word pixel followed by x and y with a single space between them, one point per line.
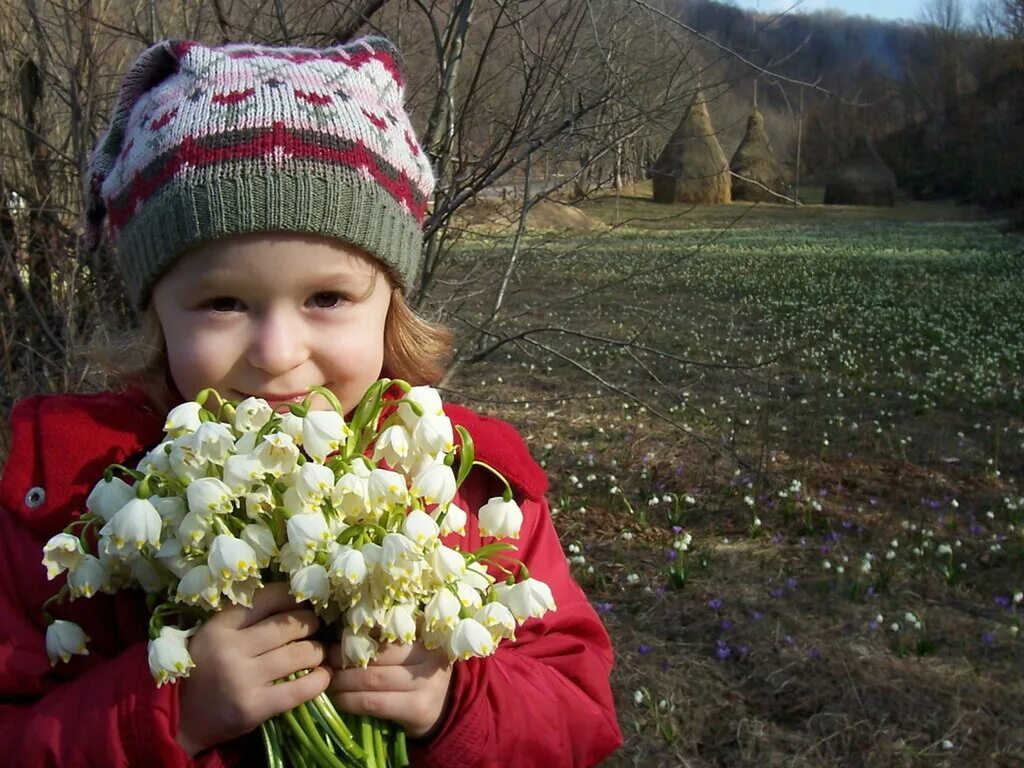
pixel 787 453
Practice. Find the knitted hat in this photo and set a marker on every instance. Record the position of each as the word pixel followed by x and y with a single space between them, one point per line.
pixel 206 142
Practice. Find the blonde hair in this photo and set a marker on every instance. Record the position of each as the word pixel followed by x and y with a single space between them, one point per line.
pixel 415 350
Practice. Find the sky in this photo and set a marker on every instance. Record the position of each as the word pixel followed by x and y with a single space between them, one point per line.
pixel 880 9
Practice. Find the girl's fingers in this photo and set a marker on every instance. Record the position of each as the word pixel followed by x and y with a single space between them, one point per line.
pixel 289 659
pixel 395 678
pixel 268 600
pixel 279 629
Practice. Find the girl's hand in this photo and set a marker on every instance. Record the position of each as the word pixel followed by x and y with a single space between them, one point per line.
pixel 405 683
pixel 239 654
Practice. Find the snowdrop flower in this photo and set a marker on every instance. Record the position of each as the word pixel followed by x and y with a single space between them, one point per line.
pixel 454 520
pixel 470 638
pixel 392 445
pixel 212 442
pixel 323 432
pixel 198 587
pixel 156 461
pixel 399 624
pixel 151 578
pixel 136 524
pixel 172 557
pixel 261 539
pixel 194 531
pixel 351 496
pixel 398 554
pixel 308 533
pixel 107 498
pixel 468 596
pixel 386 488
pixel 64 638
pixel 185 463
pixel 442 610
pixel 278 454
pixel 294 504
pixel 171 509
pixel 435 484
pixel 252 414
pixel 291 558
pixel 209 496
pixel 242 472
pixel 348 568
pixel 313 482
pixel 168 655
pixel 357 647
pixel 311 583
pixel 420 528
pixel 477 577
pixel 432 434
pixel 183 419
pixel 232 559
pixel 89 576
pixel 447 564
pixel 498 619
pixel 529 598
pixel 260 501
pixel 61 552
pixel 500 518
pixel 426 398
pixel 364 612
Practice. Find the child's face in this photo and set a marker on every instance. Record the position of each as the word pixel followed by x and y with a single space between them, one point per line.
pixel 272 315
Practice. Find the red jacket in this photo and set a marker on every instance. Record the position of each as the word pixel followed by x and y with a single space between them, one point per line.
pixel 543 700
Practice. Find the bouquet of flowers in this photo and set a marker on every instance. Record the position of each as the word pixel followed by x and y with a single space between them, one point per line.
pixel 351 515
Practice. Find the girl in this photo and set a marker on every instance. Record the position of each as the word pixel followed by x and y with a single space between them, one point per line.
pixel 266 207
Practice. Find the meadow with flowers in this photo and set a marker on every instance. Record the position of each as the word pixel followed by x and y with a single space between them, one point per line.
pixel 787 454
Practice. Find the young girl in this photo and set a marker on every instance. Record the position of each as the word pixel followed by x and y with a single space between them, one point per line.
pixel 266 206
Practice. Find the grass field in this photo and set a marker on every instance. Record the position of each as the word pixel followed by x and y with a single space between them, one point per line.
pixel 787 453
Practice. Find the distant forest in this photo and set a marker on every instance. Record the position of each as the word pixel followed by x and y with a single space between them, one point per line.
pixel 941 100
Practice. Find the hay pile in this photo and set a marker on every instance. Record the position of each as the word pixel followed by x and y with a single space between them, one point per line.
pixel 862 179
pixel 692 167
pixel 754 166
pixel 498 216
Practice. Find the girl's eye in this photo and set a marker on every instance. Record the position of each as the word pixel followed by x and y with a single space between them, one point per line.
pixel 224 304
pixel 326 299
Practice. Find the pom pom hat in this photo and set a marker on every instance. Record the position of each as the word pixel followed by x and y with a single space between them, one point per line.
pixel 207 142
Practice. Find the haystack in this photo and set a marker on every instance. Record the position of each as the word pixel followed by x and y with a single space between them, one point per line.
pixel 862 179
pixel 692 167
pixel 756 172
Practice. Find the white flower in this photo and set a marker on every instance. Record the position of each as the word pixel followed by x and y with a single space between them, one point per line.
pixel 313 482
pixel 107 498
pixel 351 495
pixel 420 527
pixel 454 520
pixel 476 576
pixel 241 472
pixel 171 510
pixel 64 638
pixel 433 434
pixel 442 610
pixel 232 559
pixel 168 655
pixel 209 496
pixel 399 624
pixel 259 502
pixel 136 524
pixel 469 596
pixel 364 613
pixel 311 583
pixel 61 552
pixel 156 461
pixel 278 454
pixel 294 504
pixel 89 576
pixel 261 539
pixel 399 552
pixel 427 398
pixel 435 484
pixel 212 441
pixel 291 425
pixel 470 638
pixel 348 568
pixel 308 533
pixel 392 445
pixel 182 419
pixel 386 488
pixel 194 531
pixel 185 463
pixel 172 557
pixel 500 518
pixel 198 587
pixel 240 592
pixel 498 619
pixel 291 558
pixel 151 578
pixel 252 414
pixel 528 598
pixel 357 647
pixel 323 433
pixel 446 563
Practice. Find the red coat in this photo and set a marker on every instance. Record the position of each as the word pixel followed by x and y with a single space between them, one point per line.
pixel 542 701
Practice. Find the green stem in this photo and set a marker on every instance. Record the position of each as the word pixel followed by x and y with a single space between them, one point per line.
pixel 310 739
pixel 378 744
pixel 337 726
pixel 271 744
pixel 401 750
pixel 366 732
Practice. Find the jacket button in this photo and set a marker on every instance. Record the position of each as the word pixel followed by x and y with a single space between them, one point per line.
pixel 35 498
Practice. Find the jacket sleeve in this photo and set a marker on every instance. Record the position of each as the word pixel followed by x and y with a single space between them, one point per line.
pixel 89 712
pixel 543 700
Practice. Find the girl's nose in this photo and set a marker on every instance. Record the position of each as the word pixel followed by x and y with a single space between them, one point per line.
pixel 278 342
